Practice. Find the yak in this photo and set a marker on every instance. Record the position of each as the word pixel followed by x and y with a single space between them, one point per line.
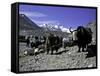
pixel 82 36
pixel 53 43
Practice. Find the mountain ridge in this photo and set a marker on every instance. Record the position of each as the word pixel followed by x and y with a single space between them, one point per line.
pixel 26 23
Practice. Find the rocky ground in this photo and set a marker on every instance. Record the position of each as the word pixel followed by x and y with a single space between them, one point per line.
pixel 69 58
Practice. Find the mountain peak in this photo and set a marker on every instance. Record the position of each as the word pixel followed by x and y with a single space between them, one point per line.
pixel 26 23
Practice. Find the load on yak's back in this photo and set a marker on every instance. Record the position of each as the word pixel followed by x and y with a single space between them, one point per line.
pixel 82 36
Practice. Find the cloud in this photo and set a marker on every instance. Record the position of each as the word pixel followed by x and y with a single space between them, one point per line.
pixel 64 29
pixel 32 14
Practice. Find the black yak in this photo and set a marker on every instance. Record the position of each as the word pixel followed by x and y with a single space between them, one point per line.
pixel 82 36
pixel 53 43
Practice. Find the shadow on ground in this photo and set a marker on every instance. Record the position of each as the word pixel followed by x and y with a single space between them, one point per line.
pixel 64 51
pixel 92 51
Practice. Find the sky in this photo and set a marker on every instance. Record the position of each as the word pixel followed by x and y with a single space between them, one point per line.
pixel 64 16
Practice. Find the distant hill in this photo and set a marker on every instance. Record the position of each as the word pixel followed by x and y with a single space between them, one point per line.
pixel 26 24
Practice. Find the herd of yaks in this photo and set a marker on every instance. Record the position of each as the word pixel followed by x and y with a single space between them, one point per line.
pixel 81 37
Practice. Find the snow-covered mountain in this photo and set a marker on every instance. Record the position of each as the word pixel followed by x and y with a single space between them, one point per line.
pixel 27 24
pixel 54 27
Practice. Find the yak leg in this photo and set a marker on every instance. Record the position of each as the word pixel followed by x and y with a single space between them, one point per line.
pixel 79 48
pixel 57 49
pixel 52 51
pixel 84 48
pixel 48 51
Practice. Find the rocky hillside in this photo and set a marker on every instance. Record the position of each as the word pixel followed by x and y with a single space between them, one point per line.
pixel 93 25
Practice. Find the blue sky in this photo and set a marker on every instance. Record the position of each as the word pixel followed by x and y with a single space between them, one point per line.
pixel 66 16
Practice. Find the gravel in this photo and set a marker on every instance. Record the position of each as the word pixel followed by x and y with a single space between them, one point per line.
pixel 66 60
